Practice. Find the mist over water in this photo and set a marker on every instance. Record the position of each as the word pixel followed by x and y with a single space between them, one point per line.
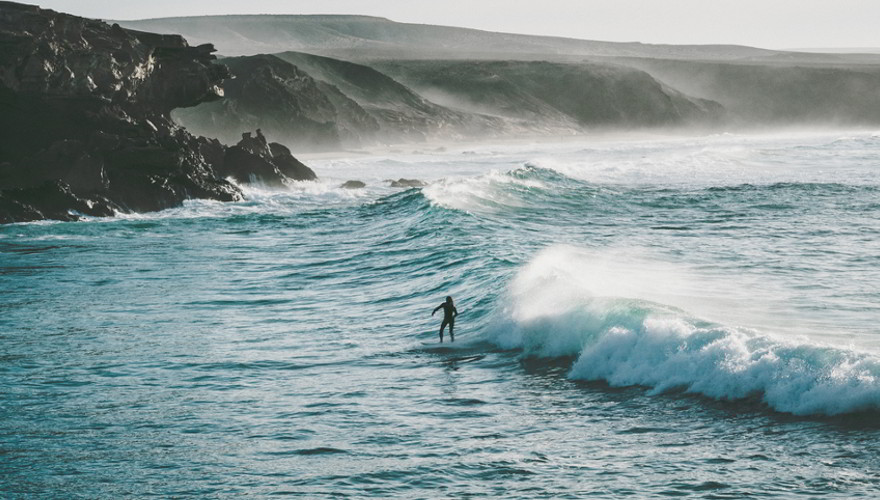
pixel 661 316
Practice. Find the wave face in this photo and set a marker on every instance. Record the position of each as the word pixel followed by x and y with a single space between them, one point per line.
pixel 649 316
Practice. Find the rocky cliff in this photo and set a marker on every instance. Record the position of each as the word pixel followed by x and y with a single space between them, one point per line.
pixel 319 103
pixel 86 128
pixel 585 95
pixel 778 93
pixel 278 97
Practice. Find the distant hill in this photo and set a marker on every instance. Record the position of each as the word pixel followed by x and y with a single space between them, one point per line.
pixel 588 95
pixel 360 37
pixel 777 94
pixel 363 38
pixel 840 50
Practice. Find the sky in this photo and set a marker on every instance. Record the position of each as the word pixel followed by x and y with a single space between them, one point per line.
pixel 772 24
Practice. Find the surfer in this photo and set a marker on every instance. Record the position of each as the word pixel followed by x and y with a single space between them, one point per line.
pixel 449 314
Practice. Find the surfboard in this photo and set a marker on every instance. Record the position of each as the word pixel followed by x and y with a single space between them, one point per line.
pixel 464 359
pixel 435 343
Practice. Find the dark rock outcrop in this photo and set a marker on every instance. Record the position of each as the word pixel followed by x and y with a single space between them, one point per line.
pixel 288 165
pixel 255 160
pixel 407 183
pixel 85 119
pixel 51 200
pixel 353 185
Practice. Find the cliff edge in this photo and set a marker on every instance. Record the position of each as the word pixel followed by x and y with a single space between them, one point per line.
pixel 86 127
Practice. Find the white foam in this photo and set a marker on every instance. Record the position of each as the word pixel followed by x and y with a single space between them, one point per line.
pixel 492 191
pixel 719 160
pixel 727 363
pixel 614 321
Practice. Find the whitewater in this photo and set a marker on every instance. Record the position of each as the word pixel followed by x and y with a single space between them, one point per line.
pixel 647 316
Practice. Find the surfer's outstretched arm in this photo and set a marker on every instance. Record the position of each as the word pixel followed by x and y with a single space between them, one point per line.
pixel 436 309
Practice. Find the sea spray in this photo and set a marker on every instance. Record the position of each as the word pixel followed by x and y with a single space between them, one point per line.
pixel 728 364
pixel 493 191
pixel 594 311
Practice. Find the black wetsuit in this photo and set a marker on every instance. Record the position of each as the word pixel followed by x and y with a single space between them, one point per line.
pixel 449 314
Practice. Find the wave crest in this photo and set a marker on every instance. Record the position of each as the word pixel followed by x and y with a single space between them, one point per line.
pixel 729 364
pixel 490 192
pixel 635 341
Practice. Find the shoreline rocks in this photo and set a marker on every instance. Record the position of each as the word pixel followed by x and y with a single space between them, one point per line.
pixel 255 160
pixel 407 183
pixel 87 127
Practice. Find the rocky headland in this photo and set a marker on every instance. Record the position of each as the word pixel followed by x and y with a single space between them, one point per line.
pixel 505 84
pixel 86 126
pixel 322 103
pixel 325 104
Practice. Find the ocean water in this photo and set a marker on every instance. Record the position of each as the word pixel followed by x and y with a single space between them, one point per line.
pixel 649 317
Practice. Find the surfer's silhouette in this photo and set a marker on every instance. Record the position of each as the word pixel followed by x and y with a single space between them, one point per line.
pixel 449 314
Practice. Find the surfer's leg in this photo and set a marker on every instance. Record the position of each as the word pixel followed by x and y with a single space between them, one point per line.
pixel 451 332
pixel 442 326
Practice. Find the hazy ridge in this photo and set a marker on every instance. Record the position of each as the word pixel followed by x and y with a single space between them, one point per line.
pixel 364 36
pixel 378 81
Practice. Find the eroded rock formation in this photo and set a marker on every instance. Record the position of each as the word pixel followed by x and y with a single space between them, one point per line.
pixel 254 159
pixel 86 126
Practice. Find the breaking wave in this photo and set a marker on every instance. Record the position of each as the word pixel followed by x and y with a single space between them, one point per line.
pixel 607 323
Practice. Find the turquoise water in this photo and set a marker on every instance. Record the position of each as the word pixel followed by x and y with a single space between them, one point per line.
pixel 652 317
